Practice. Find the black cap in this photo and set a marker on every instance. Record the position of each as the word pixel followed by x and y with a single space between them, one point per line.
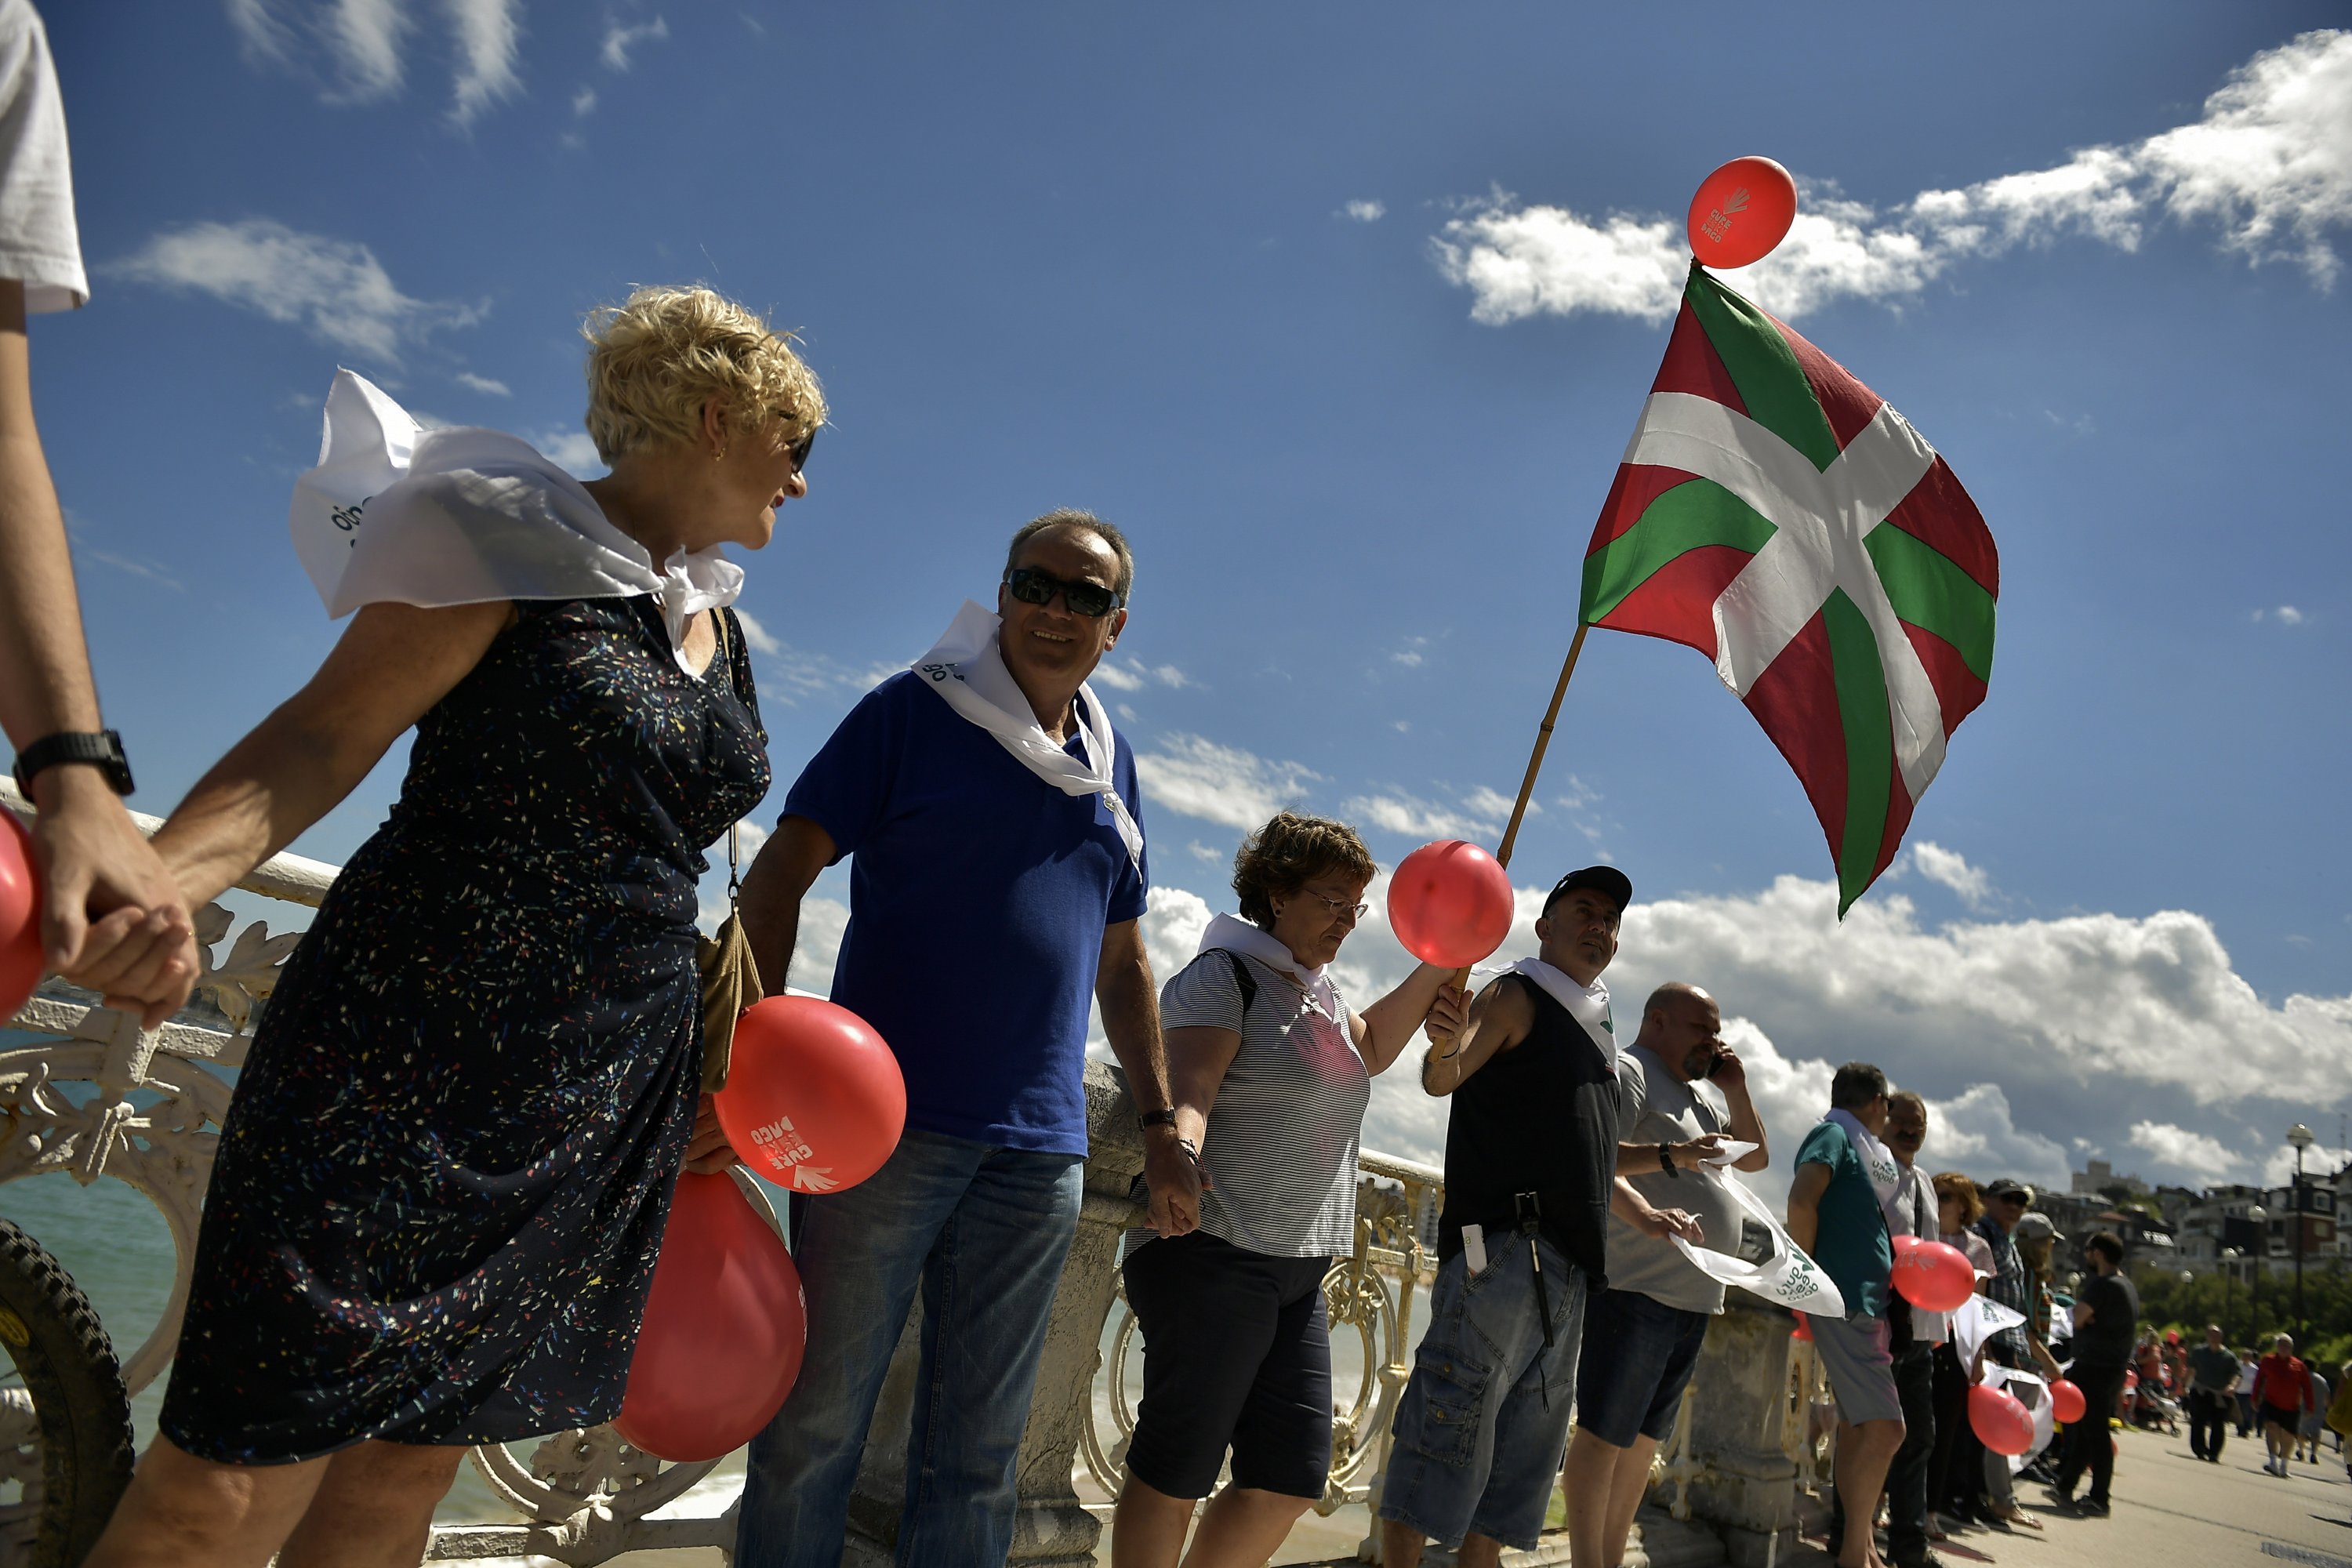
pixel 1605 879
pixel 2001 1187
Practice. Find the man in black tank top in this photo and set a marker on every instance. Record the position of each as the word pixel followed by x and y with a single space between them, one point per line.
pixel 1530 1163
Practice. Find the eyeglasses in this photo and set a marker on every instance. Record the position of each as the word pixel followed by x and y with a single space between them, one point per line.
pixel 1031 586
pixel 1353 912
pixel 801 450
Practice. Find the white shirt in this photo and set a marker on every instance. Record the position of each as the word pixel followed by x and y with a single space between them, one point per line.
pixel 40 244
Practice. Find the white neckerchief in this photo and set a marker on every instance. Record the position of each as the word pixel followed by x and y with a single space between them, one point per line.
pixel 1588 1005
pixel 397 514
pixel 1878 1162
pixel 1236 935
pixel 967 669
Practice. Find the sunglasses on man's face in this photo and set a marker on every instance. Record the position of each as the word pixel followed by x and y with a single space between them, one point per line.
pixel 1031 586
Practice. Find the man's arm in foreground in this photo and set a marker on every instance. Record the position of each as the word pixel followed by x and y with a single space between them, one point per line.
pixel 1130 1014
pixel 1805 1190
pixel 1627 1203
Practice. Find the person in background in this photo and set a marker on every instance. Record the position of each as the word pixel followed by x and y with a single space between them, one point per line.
pixel 997 886
pixel 1952 1487
pixel 113 920
pixel 1532 1152
pixel 1271 1073
pixel 2315 1418
pixel 1679 1085
pixel 2107 1312
pixel 2283 1392
pixel 2339 1413
pixel 1845 1176
pixel 2247 1366
pixel 2005 1202
pixel 2211 1395
pixel 1915 1212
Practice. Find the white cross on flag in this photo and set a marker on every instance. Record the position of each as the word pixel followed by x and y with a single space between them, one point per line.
pixel 1779 516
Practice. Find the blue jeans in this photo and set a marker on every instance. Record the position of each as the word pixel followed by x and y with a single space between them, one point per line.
pixel 983 1232
pixel 1482 1425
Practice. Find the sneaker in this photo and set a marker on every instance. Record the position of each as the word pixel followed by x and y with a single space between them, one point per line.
pixel 2086 1509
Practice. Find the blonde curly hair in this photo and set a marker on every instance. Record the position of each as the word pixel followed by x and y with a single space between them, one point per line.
pixel 656 357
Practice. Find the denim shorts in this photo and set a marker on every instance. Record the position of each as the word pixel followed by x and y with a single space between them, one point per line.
pixel 1483 1425
pixel 1637 1359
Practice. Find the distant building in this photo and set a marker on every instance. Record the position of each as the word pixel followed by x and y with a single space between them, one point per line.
pixel 2099 1178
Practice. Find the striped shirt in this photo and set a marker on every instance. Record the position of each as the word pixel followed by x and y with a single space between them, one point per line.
pixel 1281 1143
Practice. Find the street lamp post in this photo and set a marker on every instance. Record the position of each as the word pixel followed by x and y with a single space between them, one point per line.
pixel 2300 1136
pixel 2229 1256
pixel 2260 1264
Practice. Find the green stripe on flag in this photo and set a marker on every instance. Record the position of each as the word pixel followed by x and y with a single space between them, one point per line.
pixel 1930 591
pixel 1764 368
pixel 1869 744
pixel 1692 515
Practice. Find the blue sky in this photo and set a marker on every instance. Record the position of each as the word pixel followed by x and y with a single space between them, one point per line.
pixel 1224 275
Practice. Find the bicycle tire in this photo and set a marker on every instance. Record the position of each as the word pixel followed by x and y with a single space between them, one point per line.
pixel 51 1332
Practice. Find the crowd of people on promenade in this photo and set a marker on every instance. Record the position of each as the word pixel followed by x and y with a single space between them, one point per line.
pixel 444 1174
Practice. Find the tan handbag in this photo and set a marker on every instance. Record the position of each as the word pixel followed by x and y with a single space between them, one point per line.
pixel 731 980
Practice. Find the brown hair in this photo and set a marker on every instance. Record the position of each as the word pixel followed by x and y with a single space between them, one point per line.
pixel 1954 1185
pixel 1290 851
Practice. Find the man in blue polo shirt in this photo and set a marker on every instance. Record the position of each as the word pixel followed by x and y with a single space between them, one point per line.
pixel 997 876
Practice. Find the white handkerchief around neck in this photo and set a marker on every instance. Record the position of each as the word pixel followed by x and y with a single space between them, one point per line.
pixel 397 514
pixel 966 667
pixel 1588 1005
pixel 1237 935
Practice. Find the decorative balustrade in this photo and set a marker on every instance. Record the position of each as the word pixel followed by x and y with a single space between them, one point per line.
pixel 99 1097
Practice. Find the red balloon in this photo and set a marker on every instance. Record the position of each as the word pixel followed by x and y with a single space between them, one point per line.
pixel 1934 1276
pixel 1450 903
pixel 2066 1402
pixel 1998 1420
pixel 1741 212
pixel 1804 1331
pixel 22 961
pixel 1903 1245
pixel 725 1326
pixel 813 1101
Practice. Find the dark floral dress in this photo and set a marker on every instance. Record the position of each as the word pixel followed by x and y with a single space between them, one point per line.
pixel 447 1168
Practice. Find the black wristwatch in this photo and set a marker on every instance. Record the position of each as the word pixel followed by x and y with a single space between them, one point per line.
pixel 1667 1159
pixel 1152 1119
pixel 101 749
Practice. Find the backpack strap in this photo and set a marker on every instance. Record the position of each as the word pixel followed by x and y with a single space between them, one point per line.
pixel 1243 978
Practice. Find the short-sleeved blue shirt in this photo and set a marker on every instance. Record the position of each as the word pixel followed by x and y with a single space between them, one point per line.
pixel 978 898
pixel 1850 1245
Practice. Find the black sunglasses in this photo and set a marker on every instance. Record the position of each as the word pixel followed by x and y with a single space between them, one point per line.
pixel 1031 586
pixel 801 450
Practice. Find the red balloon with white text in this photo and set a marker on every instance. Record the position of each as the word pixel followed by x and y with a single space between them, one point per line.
pixel 814 1101
pixel 1450 903
pixel 22 960
pixel 724 1330
pixel 1742 211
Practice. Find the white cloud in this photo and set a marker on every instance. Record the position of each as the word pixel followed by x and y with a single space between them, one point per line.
pixel 2288 614
pixel 584 102
pixel 573 451
pixel 1201 778
pixel 1413 817
pixel 483 384
pixel 2319 1159
pixel 1365 210
pixel 1208 852
pixel 356 50
pixel 2269 164
pixel 489 32
pixel 335 289
pixel 1951 868
pixel 619 40
pixel 756 634
pixel 1169 674
pixel 1412 654
pixel 1495 804
pixel 1117 677
pixel 2197 1155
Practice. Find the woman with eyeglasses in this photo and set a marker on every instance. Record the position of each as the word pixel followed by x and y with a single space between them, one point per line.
pixel 1270 1073
pixel 448 1166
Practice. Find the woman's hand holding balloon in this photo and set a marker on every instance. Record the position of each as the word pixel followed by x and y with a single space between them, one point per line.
pixel 709 1153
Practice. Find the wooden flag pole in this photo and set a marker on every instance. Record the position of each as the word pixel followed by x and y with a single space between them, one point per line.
pixel 1535 763
pixel 1543 741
